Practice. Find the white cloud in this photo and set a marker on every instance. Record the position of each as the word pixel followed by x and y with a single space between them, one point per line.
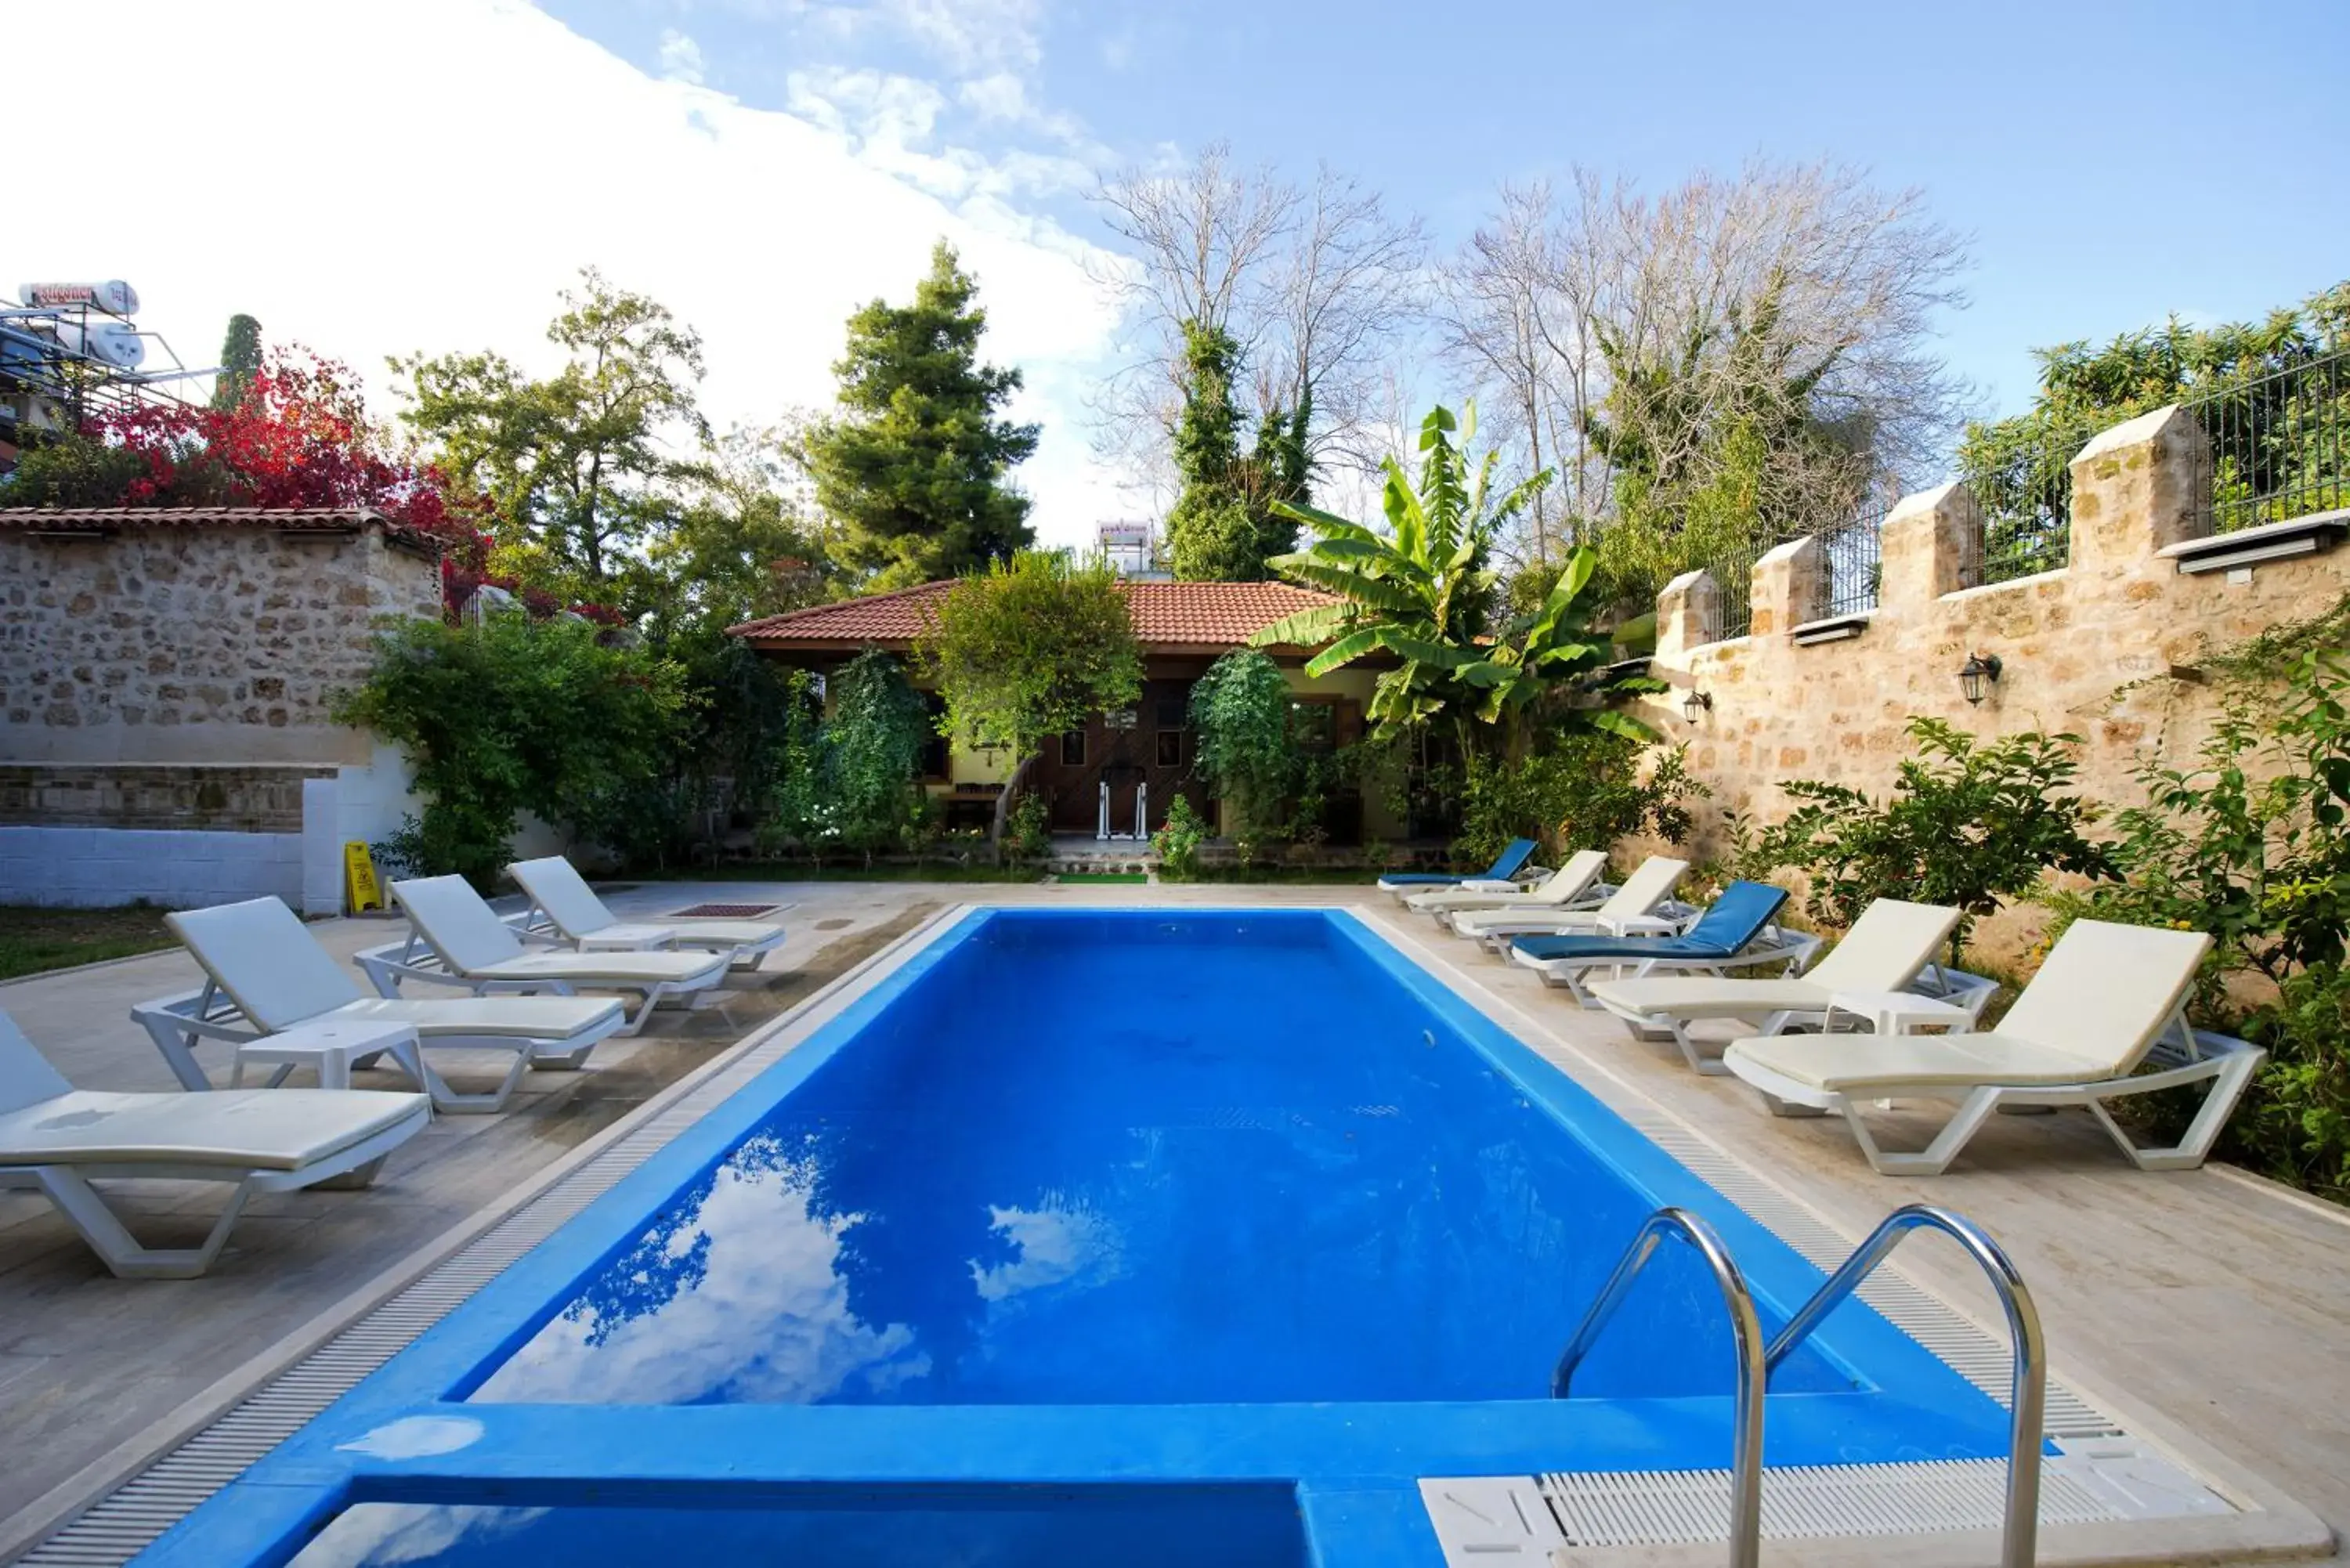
pixel 681 57
pixel 429 176
pixel 998 96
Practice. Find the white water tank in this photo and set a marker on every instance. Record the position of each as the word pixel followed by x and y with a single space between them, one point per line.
pixel 113 296
pixel 115 343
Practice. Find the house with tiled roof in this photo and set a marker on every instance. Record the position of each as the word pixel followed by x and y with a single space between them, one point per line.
pixel 1119 774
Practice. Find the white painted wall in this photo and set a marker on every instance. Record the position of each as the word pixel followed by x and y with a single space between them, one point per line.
pixel 95 867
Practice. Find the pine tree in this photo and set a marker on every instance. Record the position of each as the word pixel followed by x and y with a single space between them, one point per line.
pixel 240 362
pixel 915 464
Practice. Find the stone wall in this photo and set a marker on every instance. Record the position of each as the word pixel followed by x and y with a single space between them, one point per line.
pixel 2109 648
pixel 187 644
pixel 211 798
pixel 165 697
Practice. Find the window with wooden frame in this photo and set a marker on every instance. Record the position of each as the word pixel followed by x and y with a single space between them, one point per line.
pixel 1073 748
pixel 936 763
pixel 1314 724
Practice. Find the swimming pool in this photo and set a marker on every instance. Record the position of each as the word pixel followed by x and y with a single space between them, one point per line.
pixel 1206 1234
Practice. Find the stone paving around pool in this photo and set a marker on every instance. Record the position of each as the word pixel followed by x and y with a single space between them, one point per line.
pixel 2207 1307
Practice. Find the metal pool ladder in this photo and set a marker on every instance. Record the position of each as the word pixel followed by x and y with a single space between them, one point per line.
pixel 2027 1394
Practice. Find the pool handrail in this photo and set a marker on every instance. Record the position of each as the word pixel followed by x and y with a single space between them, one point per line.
pixel 1746 1331
pixel 2028 1391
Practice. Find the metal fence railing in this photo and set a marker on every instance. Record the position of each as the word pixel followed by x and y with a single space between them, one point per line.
pixel 1733 583
pixel 2280 444
pixel 2279 449
pixel 2023 485
pixel 1852 566
pixel 1848 575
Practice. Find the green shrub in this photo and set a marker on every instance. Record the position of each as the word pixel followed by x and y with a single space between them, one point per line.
pixel 2295 1123
pixel 1239 720
pixel 1971 823
pixel 1586 792
pixel 512 716
pixel 1027 830
pixel 2250 843
pixel 1177 842
pixel 872 755
pixel 73 471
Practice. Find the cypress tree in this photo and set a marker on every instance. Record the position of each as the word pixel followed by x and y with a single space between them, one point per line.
pixel 1222 527
pixel 240 362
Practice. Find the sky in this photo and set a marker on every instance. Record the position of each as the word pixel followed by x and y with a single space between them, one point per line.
pixel 429 174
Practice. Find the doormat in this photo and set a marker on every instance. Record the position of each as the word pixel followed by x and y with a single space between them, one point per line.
pixel 1100 877
pixel 721 912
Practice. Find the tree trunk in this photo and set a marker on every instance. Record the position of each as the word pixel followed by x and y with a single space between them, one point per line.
pixel 1003 803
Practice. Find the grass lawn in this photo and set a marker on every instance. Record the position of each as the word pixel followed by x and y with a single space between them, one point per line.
pixel 34 940
pixel 1340 875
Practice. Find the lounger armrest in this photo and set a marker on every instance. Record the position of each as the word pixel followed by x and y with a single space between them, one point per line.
pixel 1956 986
pixel 536 929
pixel 175 1024
pixel 1487 885
pixel 1793 949
pixel 387 966
pixel 188 1015
pixel 1639 924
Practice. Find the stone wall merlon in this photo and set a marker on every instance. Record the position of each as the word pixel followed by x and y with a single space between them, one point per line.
pixel 2105 649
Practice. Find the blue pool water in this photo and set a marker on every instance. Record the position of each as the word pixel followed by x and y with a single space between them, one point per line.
pixel 1108 1160
pixel 1206 1233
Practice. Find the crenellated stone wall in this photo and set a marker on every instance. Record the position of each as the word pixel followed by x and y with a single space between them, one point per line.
pixel 2109 648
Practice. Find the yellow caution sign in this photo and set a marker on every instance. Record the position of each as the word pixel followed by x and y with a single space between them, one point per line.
pixel 360 888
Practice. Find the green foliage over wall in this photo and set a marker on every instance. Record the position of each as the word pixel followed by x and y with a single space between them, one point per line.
pixel 512 716
pixel 1240 718
pixel 915 464
pixel 874 737
pixel 1971 823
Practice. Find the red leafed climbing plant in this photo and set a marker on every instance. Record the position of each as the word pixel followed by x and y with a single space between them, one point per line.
pixel 301 437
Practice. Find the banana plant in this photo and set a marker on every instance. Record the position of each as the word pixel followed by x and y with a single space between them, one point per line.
pixel 1537 651
pixel 1420 592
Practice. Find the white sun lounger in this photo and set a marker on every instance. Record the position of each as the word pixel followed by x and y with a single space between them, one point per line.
pixel 455 939
pixel 2107 999
pixel 58 1139
pixel 561 901
pixel 1633 909
pixel 1572 886
pixel 266 974
pixel 1885 950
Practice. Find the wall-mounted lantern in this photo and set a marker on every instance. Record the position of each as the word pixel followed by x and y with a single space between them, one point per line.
pixel 1695 702
pixel 1979 669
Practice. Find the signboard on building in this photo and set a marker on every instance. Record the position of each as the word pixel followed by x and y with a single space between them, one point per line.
pixel 113 296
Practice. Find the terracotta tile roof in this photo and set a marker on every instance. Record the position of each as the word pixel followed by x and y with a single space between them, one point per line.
pixel 1166 615
pixel 282 519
